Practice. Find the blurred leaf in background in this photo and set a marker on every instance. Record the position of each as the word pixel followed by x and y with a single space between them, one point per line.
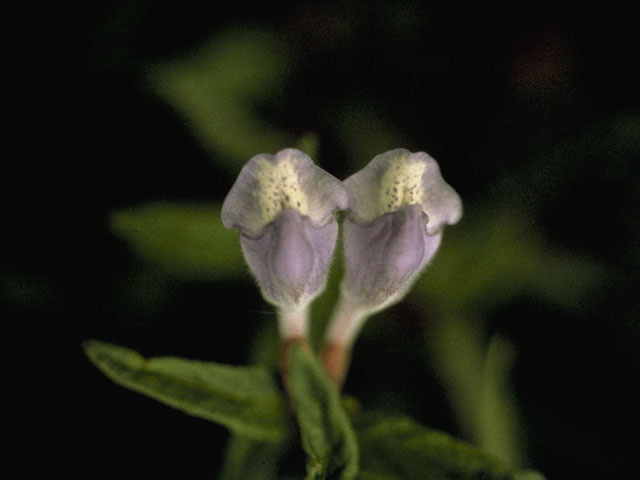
pixel 220 88
pixel 492 258
pixel 186 241
pixel 495 255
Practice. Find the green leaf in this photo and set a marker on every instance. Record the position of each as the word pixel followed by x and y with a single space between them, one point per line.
pixel 492 256
pixel 249 459
pixel 476 377
pixel 528 475
pixel 458 354
pixel 500 432
pixel 246 458
pixel 397 448
pixel 244 399
pixel 218 89
pixel 327 436
pixel 185 240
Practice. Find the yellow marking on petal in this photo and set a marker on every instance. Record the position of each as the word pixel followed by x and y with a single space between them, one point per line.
pixel 401 184
pixel 279 189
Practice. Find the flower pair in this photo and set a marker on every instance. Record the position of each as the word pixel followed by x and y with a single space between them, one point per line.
pixel 284 208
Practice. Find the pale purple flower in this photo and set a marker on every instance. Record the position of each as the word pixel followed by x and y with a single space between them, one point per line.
pixel 283 206
pixel 399 204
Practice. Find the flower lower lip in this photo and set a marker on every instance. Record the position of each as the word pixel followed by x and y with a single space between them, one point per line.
pixel 384 255
pixel 292 257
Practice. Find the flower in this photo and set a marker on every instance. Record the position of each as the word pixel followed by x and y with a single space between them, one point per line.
pixel 399 204
pixel 283 207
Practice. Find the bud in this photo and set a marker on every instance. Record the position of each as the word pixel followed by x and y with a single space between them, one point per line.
pixel 283 207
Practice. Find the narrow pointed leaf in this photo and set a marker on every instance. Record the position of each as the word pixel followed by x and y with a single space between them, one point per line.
pixel 397 448
pixel 326 432
pixel 249 459
pixel 216 90
pixel 497 255
pixel 244 399
pixel 183 240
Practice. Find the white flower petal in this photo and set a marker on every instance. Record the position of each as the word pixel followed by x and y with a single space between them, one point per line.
pixel 269 184
pixel 397 178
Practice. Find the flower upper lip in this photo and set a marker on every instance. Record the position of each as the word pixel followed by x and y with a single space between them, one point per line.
pixel 269 184
pixel 399 177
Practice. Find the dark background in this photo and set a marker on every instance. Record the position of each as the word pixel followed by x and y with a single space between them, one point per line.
pixel 537 109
